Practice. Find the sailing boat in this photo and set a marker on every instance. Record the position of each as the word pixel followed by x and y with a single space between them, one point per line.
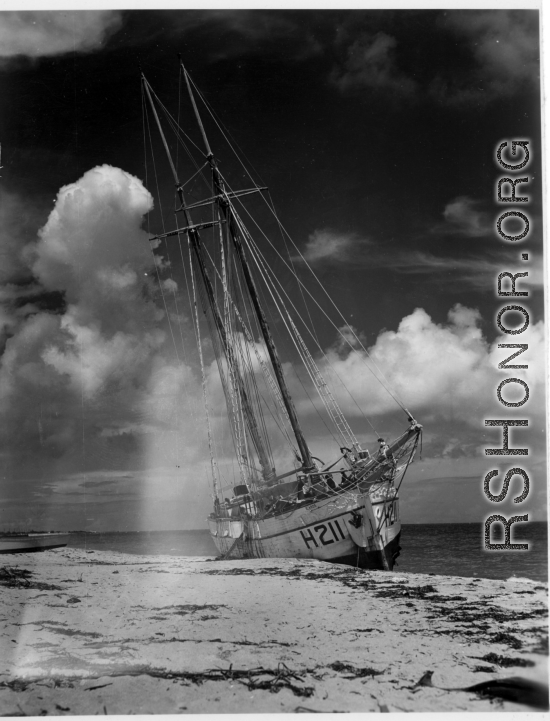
pixel 21 542
pixel 344 509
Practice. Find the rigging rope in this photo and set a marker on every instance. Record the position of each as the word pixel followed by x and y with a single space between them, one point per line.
pixel 278 282
pixel 155 263
pixel 243 341
pixel 300 287
pixel 235 395
pixel 240 293
pixel 338 330
pixel 213 463
pixel 358 340
pixel 273 211
pixel 270 381
pixel 274 279
pixel 326 396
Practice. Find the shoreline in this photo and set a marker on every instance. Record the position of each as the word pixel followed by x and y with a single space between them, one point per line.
pixel 461 554
pixel 105 632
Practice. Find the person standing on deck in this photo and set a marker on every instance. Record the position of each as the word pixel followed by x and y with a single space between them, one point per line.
pixel 385 451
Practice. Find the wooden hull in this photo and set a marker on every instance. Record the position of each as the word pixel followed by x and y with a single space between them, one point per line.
pixel 28 543
pixel 372 559
pixel 325 530
pixel 358 525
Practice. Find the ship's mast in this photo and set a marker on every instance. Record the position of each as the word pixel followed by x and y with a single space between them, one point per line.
pixel 194 238
pixel 225 207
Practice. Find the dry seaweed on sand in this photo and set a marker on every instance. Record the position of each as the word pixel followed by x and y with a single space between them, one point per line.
pixel 362 641
pixel 261 678
pixel 15 577
pixel 186 608
pixel 504 661
pixel 507 639
pixel 399 590
pixel 266 680
pixel 19 578
pixel 354 671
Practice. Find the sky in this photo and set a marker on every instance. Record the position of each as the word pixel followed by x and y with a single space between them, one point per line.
pixel 376 133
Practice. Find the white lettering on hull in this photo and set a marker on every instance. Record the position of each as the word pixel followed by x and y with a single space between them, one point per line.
pixel 320 538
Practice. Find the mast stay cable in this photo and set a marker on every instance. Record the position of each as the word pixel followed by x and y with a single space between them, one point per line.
pixel 358 340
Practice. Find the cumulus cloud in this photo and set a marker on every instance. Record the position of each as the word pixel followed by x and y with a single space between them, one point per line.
pixel 348 337
pixel 93 228
pixel 329 245
pixel 371 63
pixel 442 372
pixel 94 367
pixel 96 384
pixel 42 33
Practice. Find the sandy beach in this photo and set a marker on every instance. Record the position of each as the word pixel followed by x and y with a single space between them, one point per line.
pixel 87 632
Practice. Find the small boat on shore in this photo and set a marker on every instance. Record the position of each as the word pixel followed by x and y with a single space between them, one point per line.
pixel 343 509
pixel 30 542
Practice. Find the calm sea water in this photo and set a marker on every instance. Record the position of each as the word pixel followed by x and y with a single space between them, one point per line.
pixel 448 549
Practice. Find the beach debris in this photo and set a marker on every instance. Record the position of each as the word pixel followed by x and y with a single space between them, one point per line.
pixel 274 681
pixel 260 678
pixel 354 671
pixel 74 599
pixel 15 577
pixel 400 590
pixel 16 684
pixel 345 576
pixel 19 578
pixel 505 661
pixel 542 645
pixel 471 614
pixel 516 688
pixel 184 609
pixel 68 631
pixel 369 630
pixel 425 680
pixel 507 639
